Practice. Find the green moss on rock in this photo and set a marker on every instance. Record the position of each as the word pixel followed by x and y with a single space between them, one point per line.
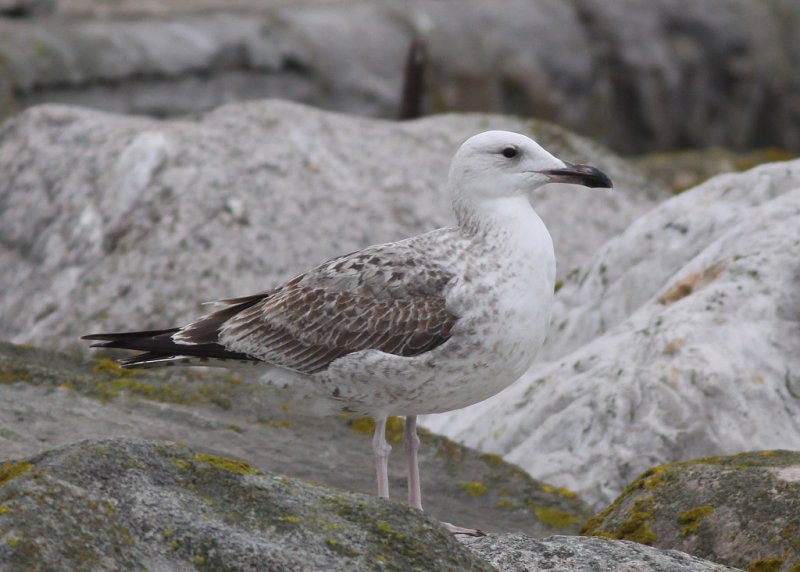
pixel 696 506
pixel 122 503
pixel 225 464
pixel 690 519
pixel 766 565
pixel 13 469
pixel 555 518
pixel 472 488
pixel 394 427
pixel 637 526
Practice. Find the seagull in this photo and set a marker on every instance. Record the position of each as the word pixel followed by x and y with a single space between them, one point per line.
pixel 428 324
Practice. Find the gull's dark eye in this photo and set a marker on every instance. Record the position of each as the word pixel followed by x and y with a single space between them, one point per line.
pixel 510 152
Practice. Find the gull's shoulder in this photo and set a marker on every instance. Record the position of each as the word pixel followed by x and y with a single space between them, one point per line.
pixel 415 266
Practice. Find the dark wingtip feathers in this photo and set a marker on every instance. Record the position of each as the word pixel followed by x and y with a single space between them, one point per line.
pixel 159 348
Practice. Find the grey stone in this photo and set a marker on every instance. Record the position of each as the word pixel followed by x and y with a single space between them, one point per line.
pixel 111 222
pixel 637 74
pixel 49 399
pixel 519 553
pixel 131 504
pixel 742 510
pixel 678 341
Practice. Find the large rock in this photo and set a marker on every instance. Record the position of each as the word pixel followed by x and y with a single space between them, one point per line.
pixel 131 504
pixel 49 399
pixel 637 74
pixel 679 340
pixel 742 510
pixel 134 505
pixel 519 553
pixel 109 222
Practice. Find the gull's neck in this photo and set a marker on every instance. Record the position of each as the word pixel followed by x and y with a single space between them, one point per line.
pixel 485 218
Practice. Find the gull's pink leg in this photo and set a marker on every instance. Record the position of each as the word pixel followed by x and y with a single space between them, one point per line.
pixel 411 445
pixel 381 449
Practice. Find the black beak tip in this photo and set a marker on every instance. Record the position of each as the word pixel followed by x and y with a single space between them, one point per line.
pixel 598 180
pixel 585 175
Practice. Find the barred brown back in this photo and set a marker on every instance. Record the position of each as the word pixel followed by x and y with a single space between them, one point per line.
pixel 356 302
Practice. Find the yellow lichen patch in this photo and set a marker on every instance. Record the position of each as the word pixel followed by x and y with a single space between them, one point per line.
pixel 673 346
pixel 690 520
pixel 504 504
pixel 473 488
pixel 394 427
pixel 4 508
pixel 10 373
pixel 692 283
pixel 292 519
pixel 566 493
pixel 766 565
pixel 560 491
pixel 105 365
pixel 637 526
pixel 363 425
pixel 386 528
pixel 12 469
pixel 132 386
pixel 181 464
pixel 554 517
pixel 491 459
pixel 654 477
pixel 225 464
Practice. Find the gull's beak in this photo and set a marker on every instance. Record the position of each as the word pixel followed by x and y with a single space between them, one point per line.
pixel 585 175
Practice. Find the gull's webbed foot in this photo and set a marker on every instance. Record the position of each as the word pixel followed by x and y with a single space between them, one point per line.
pixel 453 529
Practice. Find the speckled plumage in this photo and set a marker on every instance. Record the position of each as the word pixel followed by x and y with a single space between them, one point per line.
pixel 428 324
pixel 385 297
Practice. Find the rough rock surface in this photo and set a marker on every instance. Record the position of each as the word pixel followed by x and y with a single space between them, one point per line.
pixel 49 399
pixel 742 510
pixel 519 553
pixel 111 222
pixel 637 74
pixel 134 505
pixel 678 341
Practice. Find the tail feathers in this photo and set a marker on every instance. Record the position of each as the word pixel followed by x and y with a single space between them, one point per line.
pixel 159 349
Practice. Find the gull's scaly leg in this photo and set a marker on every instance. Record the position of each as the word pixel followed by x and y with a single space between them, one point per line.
pixel 411 445
pixel 381 449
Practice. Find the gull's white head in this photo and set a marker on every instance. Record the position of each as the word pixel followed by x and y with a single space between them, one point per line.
pixel 498 164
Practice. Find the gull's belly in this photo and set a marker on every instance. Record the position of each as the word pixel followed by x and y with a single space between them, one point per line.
pixel 492 345
pixel 504 312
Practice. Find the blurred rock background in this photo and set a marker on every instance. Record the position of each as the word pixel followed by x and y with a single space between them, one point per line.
pixel 637 75
pixel 677 320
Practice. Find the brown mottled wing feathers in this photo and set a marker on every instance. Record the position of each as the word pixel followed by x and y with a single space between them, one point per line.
pixel 388 300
